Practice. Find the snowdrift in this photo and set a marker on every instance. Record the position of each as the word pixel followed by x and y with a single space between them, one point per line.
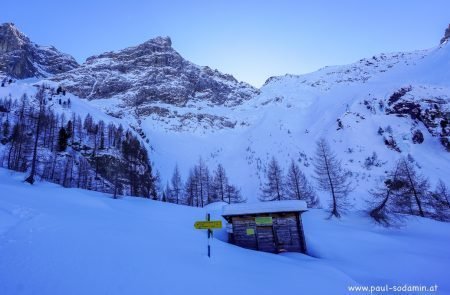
pixel 69 241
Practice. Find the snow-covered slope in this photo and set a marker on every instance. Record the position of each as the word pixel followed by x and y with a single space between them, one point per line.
pixel 69 241
pixel 372 112
pixel 292 112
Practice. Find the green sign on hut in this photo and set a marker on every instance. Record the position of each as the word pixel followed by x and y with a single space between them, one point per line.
pixel 267 226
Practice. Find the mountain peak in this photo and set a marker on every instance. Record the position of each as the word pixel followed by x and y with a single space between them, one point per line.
pixel 160 41
pixel 446 35
pixel 150 73
pixel 21 58
pixel 11 38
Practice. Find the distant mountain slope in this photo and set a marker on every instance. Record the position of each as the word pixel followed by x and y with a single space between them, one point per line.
pixel 407 94
pixel 20 58
pixel 141 79
pixel 372 112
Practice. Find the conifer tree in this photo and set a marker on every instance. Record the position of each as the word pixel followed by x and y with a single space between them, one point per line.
pixel 220 183
pixel 272 189
pixel 298 187
pixel 177 185
pixel 40 98
pixel 62 139
pixel 385 206
pixel 332 178
pixel 415 191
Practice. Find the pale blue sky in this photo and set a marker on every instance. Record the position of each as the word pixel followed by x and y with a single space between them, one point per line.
pixel 252 40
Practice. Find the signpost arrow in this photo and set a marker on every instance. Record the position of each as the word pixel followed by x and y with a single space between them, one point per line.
pixel 213 224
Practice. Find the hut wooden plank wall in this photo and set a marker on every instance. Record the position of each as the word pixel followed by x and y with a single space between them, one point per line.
pixel 270 227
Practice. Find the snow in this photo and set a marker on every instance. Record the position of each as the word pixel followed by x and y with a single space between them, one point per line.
pixel 264 207
pixel 69 241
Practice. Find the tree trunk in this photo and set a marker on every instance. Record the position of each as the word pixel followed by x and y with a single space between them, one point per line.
pixel 334 211
pixel 30 179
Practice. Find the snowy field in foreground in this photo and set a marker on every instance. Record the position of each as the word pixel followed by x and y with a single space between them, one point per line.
pixel 68 241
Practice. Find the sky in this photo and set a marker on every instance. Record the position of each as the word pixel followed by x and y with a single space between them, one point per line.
pixel 252 40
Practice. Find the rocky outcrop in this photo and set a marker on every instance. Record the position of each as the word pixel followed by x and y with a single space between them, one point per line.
pixel 20 58
pixel 446 35
pixel 433 112
pixel 153 72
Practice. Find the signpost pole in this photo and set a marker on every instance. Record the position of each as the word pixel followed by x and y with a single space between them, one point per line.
pixel 208 218
pixel 208 225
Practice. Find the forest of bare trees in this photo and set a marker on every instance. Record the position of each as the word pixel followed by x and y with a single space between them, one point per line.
pixel 290 186
pixel 200 188
pixel 73 152
pixel 404 191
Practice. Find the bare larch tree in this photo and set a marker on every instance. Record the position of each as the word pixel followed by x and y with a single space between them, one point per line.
pixel 297 187
pixel 272 190
pixel 332 178
pixel 177 185
pixel 384 206
pixel 40 99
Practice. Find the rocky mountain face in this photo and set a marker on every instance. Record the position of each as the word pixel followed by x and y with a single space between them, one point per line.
pixel 145 77
pixel 433 111
pixel 20 58
pixel 446 35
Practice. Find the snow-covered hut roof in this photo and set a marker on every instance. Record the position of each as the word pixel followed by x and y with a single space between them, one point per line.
pixel 264 207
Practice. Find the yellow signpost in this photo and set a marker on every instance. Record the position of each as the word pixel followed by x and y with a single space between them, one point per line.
pixel 213 224
pixel 208 225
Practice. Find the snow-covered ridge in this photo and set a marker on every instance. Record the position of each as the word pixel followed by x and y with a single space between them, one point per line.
pixel 358 72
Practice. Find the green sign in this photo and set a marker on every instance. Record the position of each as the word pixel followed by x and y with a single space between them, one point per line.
pixel 250 231
pixel 263 221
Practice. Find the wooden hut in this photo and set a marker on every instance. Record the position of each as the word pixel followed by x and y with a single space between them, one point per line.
pixel 267 226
